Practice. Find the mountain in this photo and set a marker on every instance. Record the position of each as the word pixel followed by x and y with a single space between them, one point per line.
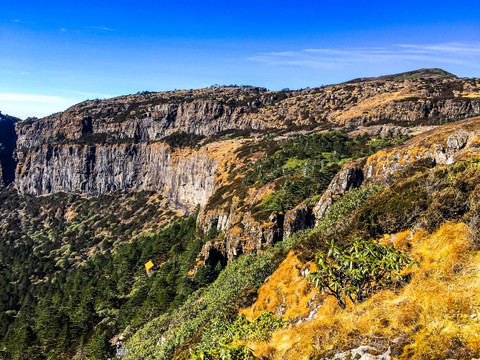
pixel 64 152
pixel 235 195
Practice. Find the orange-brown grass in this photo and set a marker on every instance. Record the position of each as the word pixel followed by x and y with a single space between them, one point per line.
pixel 434 311
pixel 286 292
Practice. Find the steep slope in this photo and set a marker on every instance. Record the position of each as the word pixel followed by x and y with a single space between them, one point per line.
pixel 426 210
pixel 441 146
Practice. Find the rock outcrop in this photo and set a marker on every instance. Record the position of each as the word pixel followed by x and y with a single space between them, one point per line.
pixel 242 234
pixel 185 176
pixel 443 146
pixel 299 218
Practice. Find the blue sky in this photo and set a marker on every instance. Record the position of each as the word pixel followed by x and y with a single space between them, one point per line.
pixel 54 54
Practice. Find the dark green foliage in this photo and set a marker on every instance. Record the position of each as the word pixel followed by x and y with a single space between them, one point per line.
pixel 74 301
pixel 183 139
pixel 314 156
pixel 303 165
pixel 357 271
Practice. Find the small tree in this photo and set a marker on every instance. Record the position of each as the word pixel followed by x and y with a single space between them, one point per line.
pixel 356 272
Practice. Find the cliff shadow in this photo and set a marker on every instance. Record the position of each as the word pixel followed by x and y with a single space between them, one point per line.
pixel 8 142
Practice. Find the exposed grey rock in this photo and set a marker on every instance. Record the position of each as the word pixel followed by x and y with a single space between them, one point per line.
pixel 346 179
pixel 363 353
pixel 381 170
pixel 99 169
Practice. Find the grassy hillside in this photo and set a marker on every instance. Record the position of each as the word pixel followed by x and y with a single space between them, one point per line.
pixel 400 255
pixel 428 215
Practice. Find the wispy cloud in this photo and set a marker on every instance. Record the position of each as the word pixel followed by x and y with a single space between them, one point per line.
pixel 25 105
pixel 88 29
pixel 446 53
pixel 11 97
pixel 100 28
pixel 88 94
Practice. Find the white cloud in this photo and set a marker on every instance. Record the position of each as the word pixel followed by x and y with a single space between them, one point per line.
pixel 25 105
pixel 446 53
pixel 100 28
pixel 31 98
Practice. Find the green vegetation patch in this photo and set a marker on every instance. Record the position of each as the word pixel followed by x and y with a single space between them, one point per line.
pixel 69 290
pixel 227 335
pixel 301 166
pixel 359 270
pixel 161 337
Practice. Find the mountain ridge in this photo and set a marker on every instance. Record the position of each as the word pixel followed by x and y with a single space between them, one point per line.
pixel 132 124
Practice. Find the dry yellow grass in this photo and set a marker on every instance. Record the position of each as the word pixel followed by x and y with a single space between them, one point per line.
pixel 437 312
pixel 286 292
pixel 370 103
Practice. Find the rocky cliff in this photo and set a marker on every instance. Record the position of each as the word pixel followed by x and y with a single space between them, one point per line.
pixel 441 146
pixel 183 175
pixel 191 146
pixel 99 146
pixel 8 139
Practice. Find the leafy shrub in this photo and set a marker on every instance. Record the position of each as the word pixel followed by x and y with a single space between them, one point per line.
pixel 224 332
pixel 227 352
pixel 356 272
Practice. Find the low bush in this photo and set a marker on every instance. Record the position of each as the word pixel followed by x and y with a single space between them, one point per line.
pixel 225 334
pixel 356 272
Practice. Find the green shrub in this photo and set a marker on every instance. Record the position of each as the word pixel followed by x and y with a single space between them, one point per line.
pixel 339 210
pixel 357 271
pixel 228 352
pixel 224 331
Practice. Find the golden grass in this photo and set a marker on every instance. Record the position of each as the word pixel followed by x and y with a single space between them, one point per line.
pixel 437 312
pixel 370 103
pixel 286 292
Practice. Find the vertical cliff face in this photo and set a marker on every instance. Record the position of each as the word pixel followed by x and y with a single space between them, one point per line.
pixel 8 138
pixel 185 176
pixel 123 143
